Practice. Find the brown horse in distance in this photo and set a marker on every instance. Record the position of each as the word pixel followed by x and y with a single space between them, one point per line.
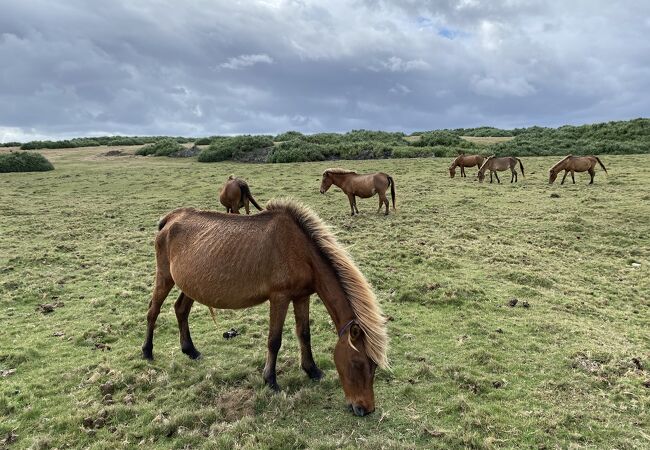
pixel 236 194
pixel 495 165
pixel 363 186
pixel 573 164
pixel 463 161
pixel 283 255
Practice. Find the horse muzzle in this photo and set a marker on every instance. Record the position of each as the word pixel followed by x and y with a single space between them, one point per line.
pixel 358 410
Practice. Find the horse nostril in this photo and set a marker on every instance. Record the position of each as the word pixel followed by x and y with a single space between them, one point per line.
pixel 359 410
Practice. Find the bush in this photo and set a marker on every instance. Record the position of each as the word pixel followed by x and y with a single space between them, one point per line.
pixel 438 138
pixel 296 150
pixel 161 148
pixel 24 162
pixel 288 136
pixel 234 147
pixel 10 144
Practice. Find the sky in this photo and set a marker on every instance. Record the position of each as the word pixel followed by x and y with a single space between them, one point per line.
pixel 207 67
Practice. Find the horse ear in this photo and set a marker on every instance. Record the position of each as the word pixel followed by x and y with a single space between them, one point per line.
pixel 355 332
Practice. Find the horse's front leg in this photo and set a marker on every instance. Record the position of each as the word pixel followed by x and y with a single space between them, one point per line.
pixel 355 205
pixel 566 172
pixel 573 178
pixel 351 199
pixel 462 171
pixel 301 312
pixel 278 312
pixel 496 175
pixel 490 176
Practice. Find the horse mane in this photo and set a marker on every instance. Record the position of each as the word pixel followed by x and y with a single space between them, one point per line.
pixel 338 170
pixel 355 286
pixel 485 162
pixel 561 161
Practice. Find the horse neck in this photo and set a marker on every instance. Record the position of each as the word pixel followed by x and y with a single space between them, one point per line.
pixel 329 289
pixel 338 179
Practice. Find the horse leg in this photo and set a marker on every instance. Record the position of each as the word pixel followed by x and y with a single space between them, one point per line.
pixel 462 171
pixel 247 207
pixel 301 312
pixel 351 199
pixel 573 178
pixel 496 175
pixel 512 175
pixel 182 307
pixel 355 205
pixel 490 176
pixel 566 172
pixel 384 199
pixel 163 284
pixel 279 306
pixel 381 202
pixel 592 172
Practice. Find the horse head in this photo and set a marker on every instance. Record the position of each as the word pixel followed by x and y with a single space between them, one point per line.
pixel 356 369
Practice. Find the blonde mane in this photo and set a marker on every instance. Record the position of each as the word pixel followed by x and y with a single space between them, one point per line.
pixel 561 161
pixel 355 286
pixel 339 170
pixel 485 162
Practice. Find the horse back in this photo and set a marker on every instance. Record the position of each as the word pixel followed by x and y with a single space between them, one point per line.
pixel 232 261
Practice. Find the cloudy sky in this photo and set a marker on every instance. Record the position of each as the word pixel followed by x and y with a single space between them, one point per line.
pixel 77 67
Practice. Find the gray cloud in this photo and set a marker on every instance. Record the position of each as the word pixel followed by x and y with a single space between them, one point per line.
pixel 74 68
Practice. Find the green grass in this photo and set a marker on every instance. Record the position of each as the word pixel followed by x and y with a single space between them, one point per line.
pixel 468 370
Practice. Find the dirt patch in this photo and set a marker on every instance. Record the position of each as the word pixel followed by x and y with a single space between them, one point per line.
pixel 47 308
pixel 114 153
pixel 236 403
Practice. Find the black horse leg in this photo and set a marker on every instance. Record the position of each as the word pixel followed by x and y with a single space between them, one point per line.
pixel 564 177
pixel 496 175
pixel 182 307
pixel 592 172
pixel 279 306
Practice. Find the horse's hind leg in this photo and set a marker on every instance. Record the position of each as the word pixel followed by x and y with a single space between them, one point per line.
pixel 247 207
pixel 279 306
pixel 164 283
pixel 384 199
pixel 182 307
pixel 301 312
pixel 592 172
pixel 381 202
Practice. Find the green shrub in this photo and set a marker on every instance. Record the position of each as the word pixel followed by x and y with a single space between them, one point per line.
pixel 296 150
pixel 438 138
pixel 10 144
pixel 24 162
pixel 288 136
pixel 161 148
pixel 234 147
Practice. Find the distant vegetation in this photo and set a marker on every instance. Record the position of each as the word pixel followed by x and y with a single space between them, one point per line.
pixel 24 162
pixel 164 147
pixel 622 137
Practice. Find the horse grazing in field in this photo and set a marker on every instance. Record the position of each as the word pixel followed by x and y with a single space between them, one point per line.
pixel 495 165
pixel 236 194
pixel 573 164
pixel 363 186
pixel 283 254
pixel 463 161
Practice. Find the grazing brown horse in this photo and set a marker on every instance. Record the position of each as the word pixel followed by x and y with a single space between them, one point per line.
pixel 284 254
pixel 463 161
pixel 575 164
pixel 236 194
pixel 363 186
pixel 495 165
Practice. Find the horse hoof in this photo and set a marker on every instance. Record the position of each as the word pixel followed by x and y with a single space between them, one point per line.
pixel 147 354
pixel 314 374
pixel 193 353
pixel 275 387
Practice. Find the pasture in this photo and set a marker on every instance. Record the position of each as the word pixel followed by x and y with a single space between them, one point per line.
pixel 567 367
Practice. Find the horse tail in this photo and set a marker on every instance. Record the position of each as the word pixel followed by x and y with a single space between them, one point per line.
pixel 392 188
pixel 246 192
pixel 601 164
pixel 521 166
pixel 162 222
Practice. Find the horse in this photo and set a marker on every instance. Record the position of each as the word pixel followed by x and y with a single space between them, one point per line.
pixel 463 161
pixel 236 194
pixel 363 186
pixel 494 164
pixel 573 164
pixel 283 255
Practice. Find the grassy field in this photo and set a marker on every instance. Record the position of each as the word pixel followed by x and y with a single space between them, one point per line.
pixel 570 370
